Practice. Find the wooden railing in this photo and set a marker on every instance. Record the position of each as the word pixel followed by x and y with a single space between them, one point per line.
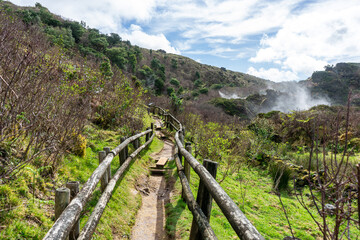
pixel 68 219
pixel 201 212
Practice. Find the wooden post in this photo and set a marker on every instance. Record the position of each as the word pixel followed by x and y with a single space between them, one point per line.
pixel 147 137
pixel 135 142
pixel 166 120
pixel 107 150
pixel 126 151
pixel 204 199
pixel 122 153
pixel 74 189
pixel 138 143
pixel 62 199
pixel 186 164
pixel 104 178
pixel 186 167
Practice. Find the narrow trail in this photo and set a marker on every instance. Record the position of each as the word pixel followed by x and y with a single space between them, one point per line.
pixel 150 219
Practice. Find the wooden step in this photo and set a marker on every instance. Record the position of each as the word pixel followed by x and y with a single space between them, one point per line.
pixel 161 163
pixel 161 135
pixel 157 171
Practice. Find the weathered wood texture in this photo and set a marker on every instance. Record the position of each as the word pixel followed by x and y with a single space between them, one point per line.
pixel 74 187
pixel 104 178
pixel 242 226
pixel 204 199
pixel 107 151
pixel 62 200
pixel 122 153
pixel 94 219
pixel 63 225
pixel 186 164
pixel 200 218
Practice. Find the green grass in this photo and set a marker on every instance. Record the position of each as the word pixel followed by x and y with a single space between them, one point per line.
pixel 25 217
pixel 260 205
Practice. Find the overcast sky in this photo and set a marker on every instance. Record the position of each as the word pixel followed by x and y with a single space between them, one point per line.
pixel 280 40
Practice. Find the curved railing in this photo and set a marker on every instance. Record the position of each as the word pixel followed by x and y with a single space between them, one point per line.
pixel 241 225
pixel 71 214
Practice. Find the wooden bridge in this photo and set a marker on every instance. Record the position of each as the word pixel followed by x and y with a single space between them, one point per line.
pixel 67 213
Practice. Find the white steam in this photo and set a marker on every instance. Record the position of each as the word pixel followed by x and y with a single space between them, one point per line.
pixel 294 97
pixel 229 96
pixel 284 97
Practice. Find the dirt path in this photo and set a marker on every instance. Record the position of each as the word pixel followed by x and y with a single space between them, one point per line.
pixel 150 220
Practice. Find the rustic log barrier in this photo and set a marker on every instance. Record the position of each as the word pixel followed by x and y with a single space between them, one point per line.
pixel 71 214
pixel 74 189
pixel 199 216
pixel 94 219
pixel 241 225
pixel 204 199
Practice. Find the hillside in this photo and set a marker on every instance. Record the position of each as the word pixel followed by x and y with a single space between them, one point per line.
pixel 177 77
pixel 183 83
pixel 68 90
pixel 336 82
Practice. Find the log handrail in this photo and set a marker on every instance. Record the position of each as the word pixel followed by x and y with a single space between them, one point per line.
pixel 199 216
pixel 65 222
pixel 94 219
pixel 239 222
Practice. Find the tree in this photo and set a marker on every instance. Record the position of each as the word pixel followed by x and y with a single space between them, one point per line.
pixel 175 82
pixel 159 86
pixel 174 63
pixel 170 90
pixel 197 75
pixel 113 39
pixel 77 30
pixel 105 69
pixel 133 61
pixel 117 55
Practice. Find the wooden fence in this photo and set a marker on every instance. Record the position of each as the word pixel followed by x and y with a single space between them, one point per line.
pixel 68 213
pixel 209 188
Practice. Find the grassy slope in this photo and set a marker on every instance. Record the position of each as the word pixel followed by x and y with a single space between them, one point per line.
pixel 261 206
pixel 30 220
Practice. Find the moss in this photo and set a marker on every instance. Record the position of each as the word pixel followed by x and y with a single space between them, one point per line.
pixel 204 90
pixel 231 106
pixel 79 145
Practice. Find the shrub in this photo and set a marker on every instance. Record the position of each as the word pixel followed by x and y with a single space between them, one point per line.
pixel 217 86
pixel 175 82
pixel 280 174
pixel 180 90
pixel 170 90
pixel 79 145
pixel 195 93
pixel 198 83
pixel 204 91
pixel 174 63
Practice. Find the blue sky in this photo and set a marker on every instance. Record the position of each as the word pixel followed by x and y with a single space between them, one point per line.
pixel 280 40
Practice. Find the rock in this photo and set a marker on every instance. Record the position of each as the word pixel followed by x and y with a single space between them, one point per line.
pixel 300 183
pixel 329 208
pixel 291 238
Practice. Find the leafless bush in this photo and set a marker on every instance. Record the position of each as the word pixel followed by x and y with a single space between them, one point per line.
pixel 333 187
pixel 44 97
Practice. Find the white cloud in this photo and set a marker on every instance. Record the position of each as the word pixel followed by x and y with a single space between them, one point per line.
pixel 136 36
pixel 298 36
pixel 273 74
pixel 107 15
pixel 325 32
